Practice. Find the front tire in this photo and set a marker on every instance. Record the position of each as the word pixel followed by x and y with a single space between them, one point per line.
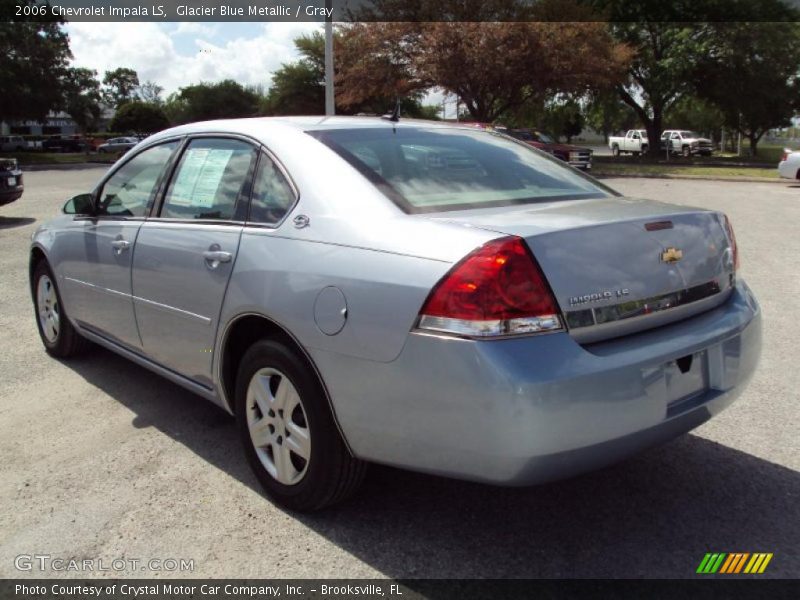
pixel 290 438
pixel 687 152
pixel 59 337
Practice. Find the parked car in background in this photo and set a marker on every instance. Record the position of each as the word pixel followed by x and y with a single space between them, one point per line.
pixel 576 156
pixel 11 187
pixel 120 144
pixel 789 167
pixel 633 142
pixel 12 143
pixel 65 144
pixel 423 295
pixel 686 143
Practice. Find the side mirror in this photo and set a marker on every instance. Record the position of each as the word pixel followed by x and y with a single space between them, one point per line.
pixel 82 204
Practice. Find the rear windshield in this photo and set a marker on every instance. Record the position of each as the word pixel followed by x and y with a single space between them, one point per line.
pixel 431 170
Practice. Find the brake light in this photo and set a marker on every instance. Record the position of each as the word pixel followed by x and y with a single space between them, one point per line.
pixel 786 153
pixel 496 290
pixel 732 240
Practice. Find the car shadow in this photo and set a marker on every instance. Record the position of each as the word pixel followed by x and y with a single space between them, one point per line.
pixel 654 516
pixel 11 222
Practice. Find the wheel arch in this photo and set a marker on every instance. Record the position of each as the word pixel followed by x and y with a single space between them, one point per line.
pixel 243 331
pixel 37 255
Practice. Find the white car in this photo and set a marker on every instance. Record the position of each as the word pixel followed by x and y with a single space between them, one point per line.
pixel 789 167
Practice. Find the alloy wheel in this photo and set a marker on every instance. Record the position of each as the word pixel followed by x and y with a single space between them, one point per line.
pixel 47 304
pixel 278 426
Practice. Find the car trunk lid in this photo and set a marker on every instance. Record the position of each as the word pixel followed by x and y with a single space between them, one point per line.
pixel 620 265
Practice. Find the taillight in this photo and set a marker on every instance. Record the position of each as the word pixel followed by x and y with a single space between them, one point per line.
pixel 732 240
pixel 786 153
pixel 496 290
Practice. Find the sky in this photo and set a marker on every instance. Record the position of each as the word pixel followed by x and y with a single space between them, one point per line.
pixel 174 55
pixel 178 54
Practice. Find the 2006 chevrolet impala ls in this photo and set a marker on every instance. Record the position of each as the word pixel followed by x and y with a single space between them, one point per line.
pixel 422 295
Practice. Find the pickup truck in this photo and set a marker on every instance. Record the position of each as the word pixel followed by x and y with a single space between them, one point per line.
pixel 686 143
pixel 635 142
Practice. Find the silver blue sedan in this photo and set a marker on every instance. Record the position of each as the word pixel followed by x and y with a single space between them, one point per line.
pixel 421 295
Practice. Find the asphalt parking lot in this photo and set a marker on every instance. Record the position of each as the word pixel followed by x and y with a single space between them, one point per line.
pixel 102 459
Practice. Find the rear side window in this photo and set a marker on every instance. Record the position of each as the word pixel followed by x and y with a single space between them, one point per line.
pixel 272 195
pixel 435 169
pixel 211 180
pixel 129 192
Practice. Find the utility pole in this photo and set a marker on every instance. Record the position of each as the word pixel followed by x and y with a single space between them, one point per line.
pixel 330 106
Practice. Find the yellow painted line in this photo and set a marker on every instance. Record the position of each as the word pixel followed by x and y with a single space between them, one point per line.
pixel 752 562
pixel 765 563
pixel 758 562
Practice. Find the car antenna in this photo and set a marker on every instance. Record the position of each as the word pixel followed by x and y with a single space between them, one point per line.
pixel 394 116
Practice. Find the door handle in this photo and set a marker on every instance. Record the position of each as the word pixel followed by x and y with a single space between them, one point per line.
pixel 217 255
pixel 214 256
pixel 120 245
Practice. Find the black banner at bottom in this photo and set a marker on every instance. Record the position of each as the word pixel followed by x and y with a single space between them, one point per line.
pixel 400 589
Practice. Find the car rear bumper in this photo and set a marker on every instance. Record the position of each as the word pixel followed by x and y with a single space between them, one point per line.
pixel 788 169
pixel 11 186
pixel 533 409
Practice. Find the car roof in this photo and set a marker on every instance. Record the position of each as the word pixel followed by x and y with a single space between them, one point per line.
pixel 258 126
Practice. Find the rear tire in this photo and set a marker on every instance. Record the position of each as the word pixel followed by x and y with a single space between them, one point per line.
pixel 59 337
pixel 686 151
pixel 615 150
pixel 288 432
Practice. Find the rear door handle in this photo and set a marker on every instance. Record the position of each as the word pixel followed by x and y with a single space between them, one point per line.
pixel 214 256
pixel 217 255
pixel 120 245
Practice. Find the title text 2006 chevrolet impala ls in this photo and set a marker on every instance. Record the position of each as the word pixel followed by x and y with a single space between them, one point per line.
pixel 422 295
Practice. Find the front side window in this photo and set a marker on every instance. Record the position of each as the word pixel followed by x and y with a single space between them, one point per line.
pixel 272 195
pixel 130 190
pixel 427 170
pixel 211 180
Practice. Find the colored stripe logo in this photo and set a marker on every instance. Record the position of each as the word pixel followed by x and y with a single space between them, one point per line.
pixel 734 563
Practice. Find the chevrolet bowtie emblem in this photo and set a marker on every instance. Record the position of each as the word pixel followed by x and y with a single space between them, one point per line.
pixel 671 255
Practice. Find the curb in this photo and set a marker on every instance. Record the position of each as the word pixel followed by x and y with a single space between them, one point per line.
pixel 64 166
pixel 694 177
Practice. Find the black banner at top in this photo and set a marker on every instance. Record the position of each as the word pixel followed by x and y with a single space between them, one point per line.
pixel 401 10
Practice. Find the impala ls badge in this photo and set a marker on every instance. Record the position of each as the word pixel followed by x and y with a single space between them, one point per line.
pixel 671 255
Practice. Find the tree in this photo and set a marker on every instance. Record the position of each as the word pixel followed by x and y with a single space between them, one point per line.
pixel 751 74
pixel 607 114
pixel 668 40
pixel 698 114
pixel 564 118
pixel 82 97
pixel 203 101
pixel 139 118
pixel 298 88
pixel 150 92
pixel 36 57
pixel 494 68
pixel 120 86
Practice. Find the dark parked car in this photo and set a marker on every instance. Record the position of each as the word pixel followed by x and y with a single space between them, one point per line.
pixel 574 155
pixel 65 144
pixel 10 181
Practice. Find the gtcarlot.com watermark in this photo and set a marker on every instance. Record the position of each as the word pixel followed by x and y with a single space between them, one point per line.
pixel 50 563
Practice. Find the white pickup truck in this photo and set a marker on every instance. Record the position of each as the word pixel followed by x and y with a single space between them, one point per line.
pixel 635 142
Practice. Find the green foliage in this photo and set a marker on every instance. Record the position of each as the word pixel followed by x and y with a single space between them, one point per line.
pixel 82 97
pixel 203 101
pixel 34 65
pixel 750 72
pixel 140 118
pixel 297 89
pixel 697 114
pixel 120 86
pixel 606 113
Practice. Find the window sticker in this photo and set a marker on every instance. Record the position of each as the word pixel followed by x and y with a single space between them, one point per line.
pixel 199 176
